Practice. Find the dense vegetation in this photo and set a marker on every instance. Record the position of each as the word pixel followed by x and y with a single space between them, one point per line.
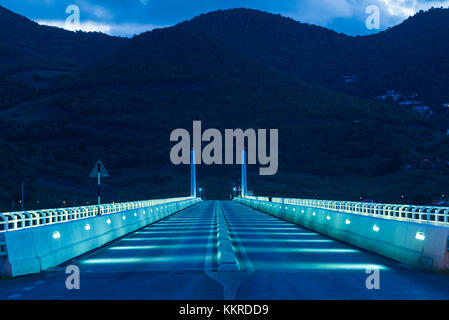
pixel 409 58
pixel 122 106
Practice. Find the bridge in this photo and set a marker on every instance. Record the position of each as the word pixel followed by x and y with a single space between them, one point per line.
pixel 248 248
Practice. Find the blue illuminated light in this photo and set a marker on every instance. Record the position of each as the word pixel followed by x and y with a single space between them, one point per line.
pixel 420 236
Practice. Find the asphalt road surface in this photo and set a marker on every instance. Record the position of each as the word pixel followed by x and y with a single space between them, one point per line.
pixel 176 258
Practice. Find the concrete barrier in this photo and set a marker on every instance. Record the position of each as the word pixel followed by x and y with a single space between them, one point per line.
pixel 419 244
pixel 32 250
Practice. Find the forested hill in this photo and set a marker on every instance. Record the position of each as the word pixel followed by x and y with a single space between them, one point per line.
pixel 409 57
pixel 119 99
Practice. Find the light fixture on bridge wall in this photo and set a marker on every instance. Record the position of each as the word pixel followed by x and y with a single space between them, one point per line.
pixel 56 235
pixel 87 227
pixel 348 221
pixel 420 236
pixel 376 228
pixel 108 221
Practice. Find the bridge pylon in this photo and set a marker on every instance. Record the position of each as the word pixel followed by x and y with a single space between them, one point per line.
pixel 243 173
pixel 192 174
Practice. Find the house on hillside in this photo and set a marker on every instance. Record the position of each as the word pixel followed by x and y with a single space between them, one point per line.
pixel 409 103
pixel 426 110
pixel 391 95
pixel 350 79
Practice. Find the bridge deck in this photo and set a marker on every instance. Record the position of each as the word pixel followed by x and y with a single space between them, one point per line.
pixel 175 258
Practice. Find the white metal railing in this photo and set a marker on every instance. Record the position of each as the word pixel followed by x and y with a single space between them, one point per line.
pixel 26 219
pixel 422 214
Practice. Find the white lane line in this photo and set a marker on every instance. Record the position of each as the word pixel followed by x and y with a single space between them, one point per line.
pixel 208 263
pixel 226 255
pixel 28 288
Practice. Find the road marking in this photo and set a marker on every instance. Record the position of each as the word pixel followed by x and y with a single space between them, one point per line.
pixel 28 288
pixel 230 280
pixel 244 263
pixel 227 258
pixel 209 262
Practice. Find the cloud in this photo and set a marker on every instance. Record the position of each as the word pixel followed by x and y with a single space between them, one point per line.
pixel 96 10
pixel 121 29
pixel 349 15
pixel 406 8
pixel 321 12
pixel 134 16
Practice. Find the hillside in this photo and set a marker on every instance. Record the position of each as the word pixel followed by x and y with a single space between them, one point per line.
pixel 35 54
pixel 122 108
pixel 409 57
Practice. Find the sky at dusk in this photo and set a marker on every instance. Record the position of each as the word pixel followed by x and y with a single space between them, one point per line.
pixel 129 17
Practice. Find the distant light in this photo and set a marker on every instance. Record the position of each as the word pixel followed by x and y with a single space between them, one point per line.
pixel 135 214
pixel 302 211
pixel 87 227
pixel 108 221
pixel 293 209
pixel 314 213
pixel 328 217
pixel 420 236
pixel 56 235
pixel 348 221
pixel 376 228
pixel 124 218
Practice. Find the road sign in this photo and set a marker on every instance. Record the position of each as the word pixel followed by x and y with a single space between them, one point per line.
pixel 99 171
pixel 99 168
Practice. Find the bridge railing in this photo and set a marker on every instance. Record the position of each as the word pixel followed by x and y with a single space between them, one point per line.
pixel 421 214
pixel 34 218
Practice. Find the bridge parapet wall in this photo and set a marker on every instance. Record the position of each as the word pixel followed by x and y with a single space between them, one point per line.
pixel 417 243
pixel 34 249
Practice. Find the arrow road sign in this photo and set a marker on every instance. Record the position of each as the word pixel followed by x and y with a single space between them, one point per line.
pixel 99 171
pixel 99 168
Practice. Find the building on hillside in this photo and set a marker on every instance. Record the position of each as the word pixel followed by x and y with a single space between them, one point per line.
pixel 408 103
pixel 350 79
pixel 426 110
pixel 391 94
